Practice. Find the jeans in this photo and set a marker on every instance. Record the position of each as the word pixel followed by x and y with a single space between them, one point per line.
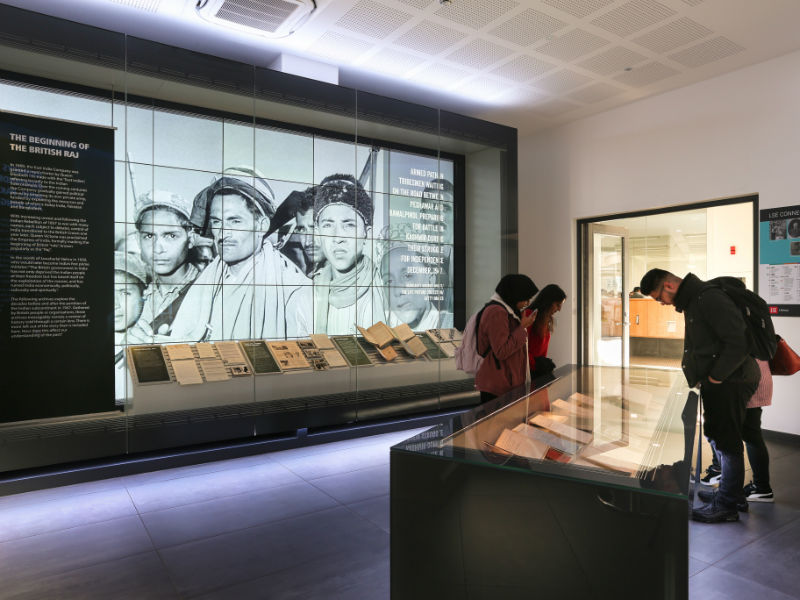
pixel 724 411
pixel 732 481
pixel 757 452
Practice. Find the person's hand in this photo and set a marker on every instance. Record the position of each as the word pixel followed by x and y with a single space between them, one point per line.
pixel 528 320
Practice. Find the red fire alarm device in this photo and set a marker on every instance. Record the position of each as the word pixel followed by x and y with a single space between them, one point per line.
pixel 733 249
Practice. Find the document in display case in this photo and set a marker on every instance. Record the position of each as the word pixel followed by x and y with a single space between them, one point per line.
pixel 433 350
pixel 289 355
pixel 352 351
pixel 149 365
pixel 555 477
pixel 260 358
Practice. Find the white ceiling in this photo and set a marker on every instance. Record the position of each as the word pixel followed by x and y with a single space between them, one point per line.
pixel 529 64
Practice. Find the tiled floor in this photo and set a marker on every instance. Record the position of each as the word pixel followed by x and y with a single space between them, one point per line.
pixel 306 523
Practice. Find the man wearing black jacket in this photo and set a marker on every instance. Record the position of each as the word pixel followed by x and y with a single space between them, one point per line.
pixel 716 358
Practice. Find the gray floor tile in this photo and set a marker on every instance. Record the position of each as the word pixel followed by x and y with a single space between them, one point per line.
pixel 130 578
pixel 199 488
pixel 66 491
pixel 713 542
pixel 65 512
pixel 771 561
pixel 335 463
pixel 784 480
pixel 30 558
pixel 222 515
pixel 375 510
pixel 695 566
pixel 253 528
pixel 356 486
pixel 387 439
pixel 715 584
pixel 225 560
pixel 358 576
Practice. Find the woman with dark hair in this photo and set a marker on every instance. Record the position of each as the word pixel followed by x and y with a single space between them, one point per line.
pixel 502 337
pixel 546 304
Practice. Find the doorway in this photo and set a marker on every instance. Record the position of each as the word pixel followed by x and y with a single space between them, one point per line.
pixel 620 327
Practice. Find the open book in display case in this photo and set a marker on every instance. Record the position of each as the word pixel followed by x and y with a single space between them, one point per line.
pixel 576 489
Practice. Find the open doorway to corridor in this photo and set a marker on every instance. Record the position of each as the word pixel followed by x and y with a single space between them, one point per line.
pixel 619 327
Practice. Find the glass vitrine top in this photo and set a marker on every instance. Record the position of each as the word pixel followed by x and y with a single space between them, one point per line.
pixel 632 427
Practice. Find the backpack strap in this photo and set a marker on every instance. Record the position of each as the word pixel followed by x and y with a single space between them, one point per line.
pixel 478 328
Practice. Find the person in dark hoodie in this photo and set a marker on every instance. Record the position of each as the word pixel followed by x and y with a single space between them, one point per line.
pixel 716 359
pixel 502 337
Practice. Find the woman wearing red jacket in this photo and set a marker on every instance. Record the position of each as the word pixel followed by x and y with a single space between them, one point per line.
pixel 502 337
pixel 546 304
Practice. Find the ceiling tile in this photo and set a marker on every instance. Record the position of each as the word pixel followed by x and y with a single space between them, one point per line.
pixel 554 108
pixel 440 75
pixel 475 13
pixel 373 19
pixel 392 62
pixel 595 93
pixel 429 37
pixel 572 45
pixel 560 82
pixel 420 4
pixel 706 52
pixel 612 60
pixel 528 27
pixel 523 68
pixel 646 74
pixel 579 8
pixel 633 16
pixel 485 87
pixel 673 35
pixel 337 47
pixel 147 5
pixel 479 54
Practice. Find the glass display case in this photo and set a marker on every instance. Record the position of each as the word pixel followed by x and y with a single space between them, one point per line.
pixel 578 488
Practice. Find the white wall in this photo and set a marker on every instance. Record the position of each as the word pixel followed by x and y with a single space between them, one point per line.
pixel 734 135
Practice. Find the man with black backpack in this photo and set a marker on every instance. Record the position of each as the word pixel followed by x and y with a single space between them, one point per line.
pixel 717 347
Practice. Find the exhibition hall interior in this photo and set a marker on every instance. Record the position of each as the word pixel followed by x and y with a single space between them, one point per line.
pixel 242 245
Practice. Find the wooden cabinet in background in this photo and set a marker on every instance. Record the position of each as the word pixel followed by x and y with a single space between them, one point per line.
pixel 654 320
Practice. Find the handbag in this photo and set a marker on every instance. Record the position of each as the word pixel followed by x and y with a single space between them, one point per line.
pixel 785 361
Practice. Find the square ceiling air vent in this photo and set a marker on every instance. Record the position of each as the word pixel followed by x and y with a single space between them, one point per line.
pixel 269 18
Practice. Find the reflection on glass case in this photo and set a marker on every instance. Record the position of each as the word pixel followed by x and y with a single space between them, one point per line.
pixel 600 420
pixel 579 488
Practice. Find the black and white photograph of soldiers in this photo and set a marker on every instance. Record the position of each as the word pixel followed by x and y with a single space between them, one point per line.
pixel 243 255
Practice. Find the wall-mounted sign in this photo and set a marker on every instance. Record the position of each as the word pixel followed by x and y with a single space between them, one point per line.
pixel 56 268
pixel 779 269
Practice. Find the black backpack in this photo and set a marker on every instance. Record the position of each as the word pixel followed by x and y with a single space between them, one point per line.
pixel 760 330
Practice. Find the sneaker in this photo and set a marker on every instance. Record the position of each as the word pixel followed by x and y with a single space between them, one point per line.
pixel 753 494
pixel 715 513
pixel 708 497
pixel 711 476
